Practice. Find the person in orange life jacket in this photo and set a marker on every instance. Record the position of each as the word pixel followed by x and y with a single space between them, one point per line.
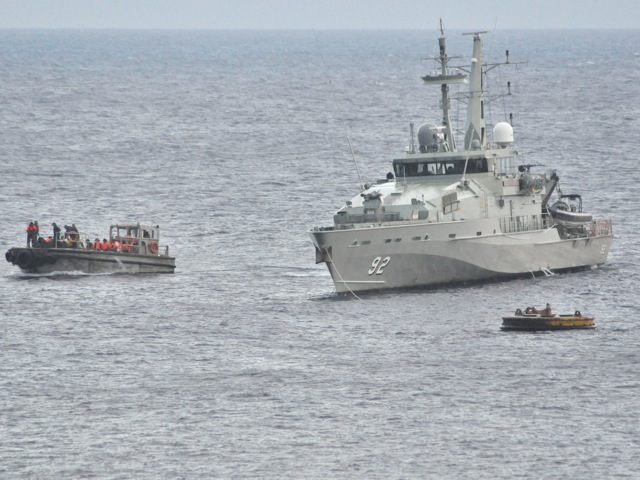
pixel 31 235
pixel 97 245
pixel 115 245
pixel 106 245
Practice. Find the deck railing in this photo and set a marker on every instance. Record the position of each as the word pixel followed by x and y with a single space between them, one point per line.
pixel 523 223
pixel 599 228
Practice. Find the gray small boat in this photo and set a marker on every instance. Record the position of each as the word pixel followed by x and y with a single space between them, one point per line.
pixel 132 248
pixel 568 211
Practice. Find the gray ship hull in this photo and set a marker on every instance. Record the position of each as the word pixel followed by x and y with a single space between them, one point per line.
pixel 400 257
pixel 50 260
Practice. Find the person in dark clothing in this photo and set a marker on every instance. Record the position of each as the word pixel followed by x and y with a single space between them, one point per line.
pixel 56 234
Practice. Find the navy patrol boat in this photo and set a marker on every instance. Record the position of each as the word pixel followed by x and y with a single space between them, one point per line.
pixel 451 213
pixel 137 250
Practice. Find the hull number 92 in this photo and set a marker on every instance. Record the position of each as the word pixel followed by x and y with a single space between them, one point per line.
pixel 378 264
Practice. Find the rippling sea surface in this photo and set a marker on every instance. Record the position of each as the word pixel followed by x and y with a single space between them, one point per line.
pixel 245 363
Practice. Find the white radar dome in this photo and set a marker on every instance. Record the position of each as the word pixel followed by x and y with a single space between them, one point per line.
pixel 503 134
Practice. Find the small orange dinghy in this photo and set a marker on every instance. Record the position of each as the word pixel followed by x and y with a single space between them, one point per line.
pixel 533 319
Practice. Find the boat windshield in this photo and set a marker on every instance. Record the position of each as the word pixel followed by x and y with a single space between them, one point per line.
pixel 439 167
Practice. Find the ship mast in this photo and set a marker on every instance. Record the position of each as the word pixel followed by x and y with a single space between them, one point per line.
pixel 443 76
pixel 475 137
pixel 446 102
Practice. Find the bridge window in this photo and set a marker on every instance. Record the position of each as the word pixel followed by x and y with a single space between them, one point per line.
pixel 447 167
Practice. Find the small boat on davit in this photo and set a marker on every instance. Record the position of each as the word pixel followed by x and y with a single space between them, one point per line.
pixel 130 248
pixel 533 319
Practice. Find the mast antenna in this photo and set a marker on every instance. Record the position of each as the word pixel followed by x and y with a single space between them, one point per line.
pixel 346 132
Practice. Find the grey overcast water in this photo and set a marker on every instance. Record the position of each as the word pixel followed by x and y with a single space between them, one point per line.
pixel 245 363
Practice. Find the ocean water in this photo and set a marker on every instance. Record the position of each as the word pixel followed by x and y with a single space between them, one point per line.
pixel 245 363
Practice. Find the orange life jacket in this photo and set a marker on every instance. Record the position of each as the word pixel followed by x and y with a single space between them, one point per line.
pixel 106 245
pixel 127 244
pixel 97 245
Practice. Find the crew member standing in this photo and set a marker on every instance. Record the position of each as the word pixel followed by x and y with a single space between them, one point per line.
pixel 31 233
pixel 74 235
pixel 56 234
